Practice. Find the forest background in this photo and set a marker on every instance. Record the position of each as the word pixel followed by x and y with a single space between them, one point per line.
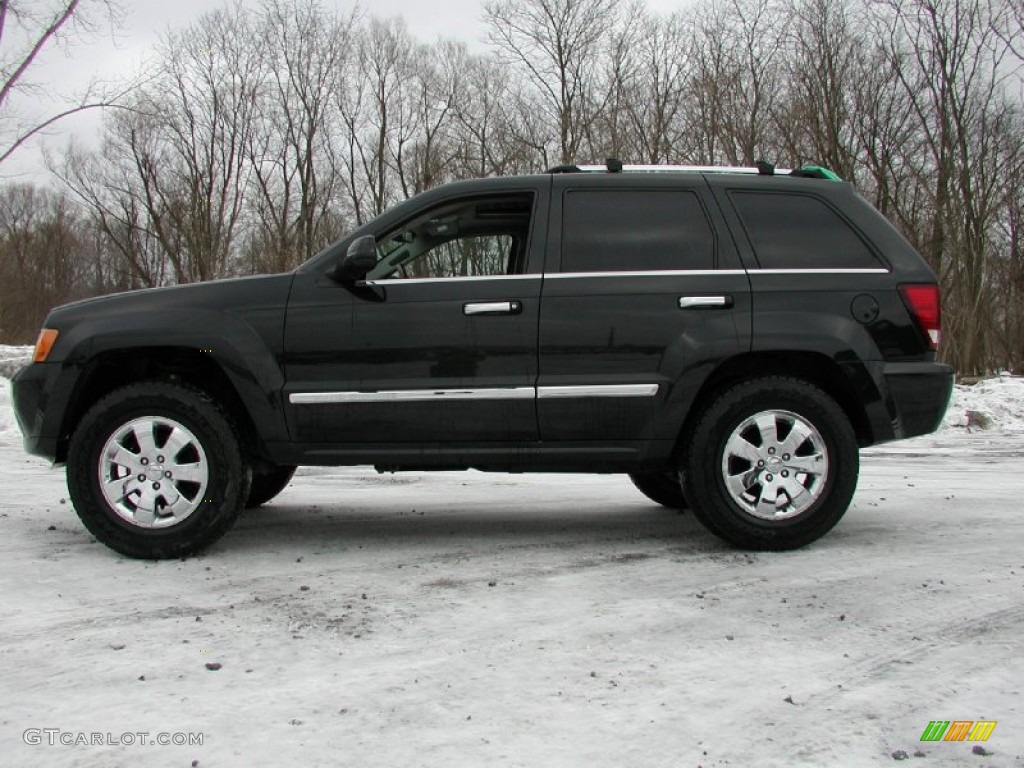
pixel 257 135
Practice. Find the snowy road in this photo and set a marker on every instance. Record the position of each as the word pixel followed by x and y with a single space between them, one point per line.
pixel 492 620
pixel 615 633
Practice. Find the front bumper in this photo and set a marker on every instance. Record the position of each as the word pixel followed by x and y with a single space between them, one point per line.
pixel 30 388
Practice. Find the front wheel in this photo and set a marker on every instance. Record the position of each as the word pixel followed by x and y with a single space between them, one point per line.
pixel 155 471
pixel 772 464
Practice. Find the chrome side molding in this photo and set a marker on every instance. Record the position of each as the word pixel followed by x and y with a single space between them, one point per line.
pixel 412 395
pixel 489 393
pixel 598 390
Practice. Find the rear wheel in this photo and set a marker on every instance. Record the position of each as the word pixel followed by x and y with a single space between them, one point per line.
pixel 267 483
pixel 660 487
pixel 772 464
pixel 155 471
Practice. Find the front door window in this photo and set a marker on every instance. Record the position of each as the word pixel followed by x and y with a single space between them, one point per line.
pixel 469 238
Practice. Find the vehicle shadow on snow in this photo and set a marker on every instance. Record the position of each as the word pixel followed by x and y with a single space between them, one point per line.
pixel 306 527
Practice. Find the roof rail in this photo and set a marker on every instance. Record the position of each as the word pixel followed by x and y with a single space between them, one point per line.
pixel 761 168
pixel 680 169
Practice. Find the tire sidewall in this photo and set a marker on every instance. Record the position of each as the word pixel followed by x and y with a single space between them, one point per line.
pixel 227 484
pixel 723 515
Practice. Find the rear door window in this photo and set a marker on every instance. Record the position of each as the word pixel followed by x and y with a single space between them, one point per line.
pixel 635 230
pixel 789 231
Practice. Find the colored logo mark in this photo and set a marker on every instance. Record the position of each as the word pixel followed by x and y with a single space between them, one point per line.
pixel 958 730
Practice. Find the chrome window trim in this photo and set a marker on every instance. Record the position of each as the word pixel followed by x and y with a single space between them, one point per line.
pixel 598 390
pixel 716 272
pixel 463 279
pixel 837 271
pixel 639 273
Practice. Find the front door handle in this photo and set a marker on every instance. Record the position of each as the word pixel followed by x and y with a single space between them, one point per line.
pixel 705 302
pixel 492 308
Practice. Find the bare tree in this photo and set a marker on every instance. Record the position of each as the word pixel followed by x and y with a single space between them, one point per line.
pixel 438 85
pixel 375 111
pixel 173 170
pixel 824 59
pixel 304 52
pixel 485 131
pixel 111 184
pixel 559 45
pixel 1007 309
pixel 952 67
pixel 736 54
pixel 650 75
pixel 43 260
pixel 27 29
pixel 263 135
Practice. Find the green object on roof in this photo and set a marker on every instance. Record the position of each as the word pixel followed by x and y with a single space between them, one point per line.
pixel 819 171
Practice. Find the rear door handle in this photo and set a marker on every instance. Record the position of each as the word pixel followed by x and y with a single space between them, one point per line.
pixel 705 302
pixel 492 308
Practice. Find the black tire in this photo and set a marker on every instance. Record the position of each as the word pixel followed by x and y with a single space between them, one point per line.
pixel 761 510
pixel 660 487
pixel 179 516
pixel 267 483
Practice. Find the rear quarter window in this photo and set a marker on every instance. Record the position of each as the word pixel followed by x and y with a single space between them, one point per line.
pixel 631 230
pixel 790 231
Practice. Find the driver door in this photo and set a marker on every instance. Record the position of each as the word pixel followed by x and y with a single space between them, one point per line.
pixel 439 343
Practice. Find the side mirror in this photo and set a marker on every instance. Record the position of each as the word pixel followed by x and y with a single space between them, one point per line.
pixel 360 258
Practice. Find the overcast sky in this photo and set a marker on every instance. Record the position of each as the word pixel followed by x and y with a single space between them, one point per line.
pixel 66 72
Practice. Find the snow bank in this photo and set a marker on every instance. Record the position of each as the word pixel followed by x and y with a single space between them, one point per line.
pixel 13 358
pixel 996 404
pixel 8 426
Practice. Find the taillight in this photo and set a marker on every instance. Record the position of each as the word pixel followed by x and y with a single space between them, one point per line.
pixel 923 302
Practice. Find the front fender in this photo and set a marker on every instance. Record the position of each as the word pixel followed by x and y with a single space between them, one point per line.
pixel 236 327
pixel 249 362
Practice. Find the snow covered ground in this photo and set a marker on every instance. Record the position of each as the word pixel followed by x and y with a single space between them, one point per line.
pixel 463 619
pixel 13 358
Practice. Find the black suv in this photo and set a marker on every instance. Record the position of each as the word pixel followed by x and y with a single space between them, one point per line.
pixel 727 337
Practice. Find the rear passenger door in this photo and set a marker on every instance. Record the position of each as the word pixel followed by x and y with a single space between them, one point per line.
pixel 643 293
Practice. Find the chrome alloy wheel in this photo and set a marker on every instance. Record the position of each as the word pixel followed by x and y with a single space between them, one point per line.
pixel 153 472
pixel 775 465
